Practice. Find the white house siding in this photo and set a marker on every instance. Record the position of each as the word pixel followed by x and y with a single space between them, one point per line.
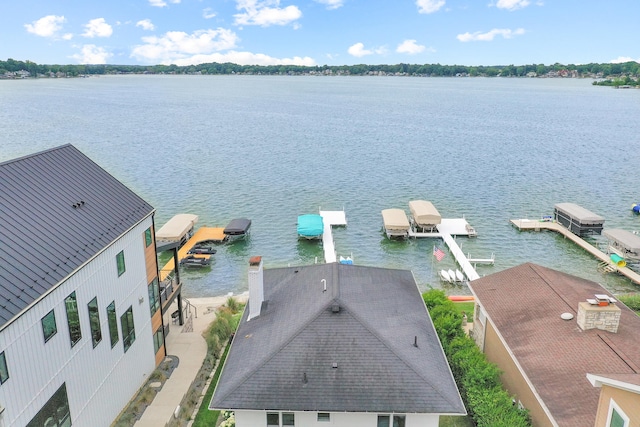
pixel 101 380
pixel 338 419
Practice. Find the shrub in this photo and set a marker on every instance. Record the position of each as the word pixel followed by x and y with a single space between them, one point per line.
pixel 478 380
pixel 632 301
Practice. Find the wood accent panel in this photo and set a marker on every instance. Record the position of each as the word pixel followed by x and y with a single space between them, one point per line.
pixel 160 355
pixel 150 257
pixel 156 321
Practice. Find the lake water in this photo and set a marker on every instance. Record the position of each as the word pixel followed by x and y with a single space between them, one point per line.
pixel 272 148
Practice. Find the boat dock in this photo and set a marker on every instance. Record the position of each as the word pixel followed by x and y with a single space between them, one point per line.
pixel 537 225
pixel 456 227
pixel 330 219
pixel 203 234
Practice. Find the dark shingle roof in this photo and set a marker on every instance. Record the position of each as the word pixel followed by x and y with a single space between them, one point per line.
pixel 370 339
pixel 525 303
pixel 43 237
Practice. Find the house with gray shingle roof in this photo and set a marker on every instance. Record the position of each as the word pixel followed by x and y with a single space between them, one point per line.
pixel 345 344
pixel 80 325
pixel 558 338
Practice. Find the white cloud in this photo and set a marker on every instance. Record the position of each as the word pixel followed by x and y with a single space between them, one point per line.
pixel 208 13
pixel 490 35
pixel 265 13
pixel 359 51
pixel 331 4
pixel 512 4
pixel 92 54
pixel 429 6
pixel 621 59
pixel 243 58
pixel 47 26
pixel 162 3
pixel 410 47
pixel 177 45
pixel 97 28
pixel 146 24
pixel 67 36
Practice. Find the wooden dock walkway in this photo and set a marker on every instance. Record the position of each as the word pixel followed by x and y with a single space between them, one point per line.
pixel 203 234
pixel 537 225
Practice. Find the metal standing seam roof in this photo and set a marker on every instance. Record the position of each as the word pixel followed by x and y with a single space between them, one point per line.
pixel 284 359
pixel 524 303
pixel 625 238
pixel 578 212
pixel 57 210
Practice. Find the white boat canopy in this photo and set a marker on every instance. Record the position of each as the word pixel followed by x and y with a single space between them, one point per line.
pixel 176 228
pixel 624 239
pixel 395 220
pixel 424 213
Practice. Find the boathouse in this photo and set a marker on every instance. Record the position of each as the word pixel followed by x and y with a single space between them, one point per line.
pixel 624 242
pixel 577 219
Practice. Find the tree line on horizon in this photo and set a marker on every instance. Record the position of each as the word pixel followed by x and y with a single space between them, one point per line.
pixel 629 69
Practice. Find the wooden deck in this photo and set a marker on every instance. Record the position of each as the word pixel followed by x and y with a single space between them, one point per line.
pixel 537 225
pixel 203 234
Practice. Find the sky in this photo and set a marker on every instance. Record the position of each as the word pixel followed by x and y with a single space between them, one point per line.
pixel 320 32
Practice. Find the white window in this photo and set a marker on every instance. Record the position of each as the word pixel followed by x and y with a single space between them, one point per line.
pixel 616 417
pixel 324 417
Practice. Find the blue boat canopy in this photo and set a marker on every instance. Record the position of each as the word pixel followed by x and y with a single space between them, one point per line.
pixel 310 225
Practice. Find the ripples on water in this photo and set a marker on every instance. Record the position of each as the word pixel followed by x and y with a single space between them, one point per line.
pixel 272 148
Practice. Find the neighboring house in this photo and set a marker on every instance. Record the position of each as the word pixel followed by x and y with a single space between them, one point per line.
pixel 339 345
pixel 547 330
pixel 80 320
pixel 619 404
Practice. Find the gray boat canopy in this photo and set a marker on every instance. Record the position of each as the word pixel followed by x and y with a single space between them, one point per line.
pixel 424 213
pixel 579 213
pixel 237 227
pixel 624 239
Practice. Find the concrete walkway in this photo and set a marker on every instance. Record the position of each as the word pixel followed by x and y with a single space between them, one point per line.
pixel 191 349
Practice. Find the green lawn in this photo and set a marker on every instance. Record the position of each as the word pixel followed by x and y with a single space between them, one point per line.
pixel 450 421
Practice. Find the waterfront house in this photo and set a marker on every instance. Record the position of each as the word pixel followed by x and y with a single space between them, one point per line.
pixel 554 336
pixel 334 344
pixel 80 320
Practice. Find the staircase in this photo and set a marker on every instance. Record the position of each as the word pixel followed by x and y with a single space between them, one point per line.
pixel 607 267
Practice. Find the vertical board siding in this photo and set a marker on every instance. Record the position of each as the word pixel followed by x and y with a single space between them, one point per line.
pixel 101 380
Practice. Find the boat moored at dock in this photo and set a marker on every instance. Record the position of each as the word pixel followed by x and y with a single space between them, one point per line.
pixel 577 219
pixel 237 229
pixel 310 226
pixel 424 216
pixel 178 229
pixel 395 223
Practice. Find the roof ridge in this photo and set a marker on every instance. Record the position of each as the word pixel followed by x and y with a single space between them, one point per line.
pixel 277 350
pixel 390 348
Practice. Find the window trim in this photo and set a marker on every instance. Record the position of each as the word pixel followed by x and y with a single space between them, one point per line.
pixel 128 334
pixel 148 237
pixel 120 263
pixel 154 296
pixel 323 417
pixel 115 324
pixel 55 326
pixel 4 368
pixel 614 406
pixel 67 300
pixel 158 340
pixel 96 334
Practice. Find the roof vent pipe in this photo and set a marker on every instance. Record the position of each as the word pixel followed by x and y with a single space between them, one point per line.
pixel 324 285
pixel 415 341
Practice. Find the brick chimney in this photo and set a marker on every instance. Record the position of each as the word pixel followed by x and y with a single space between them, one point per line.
pixel 599 313
pixel 256 286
